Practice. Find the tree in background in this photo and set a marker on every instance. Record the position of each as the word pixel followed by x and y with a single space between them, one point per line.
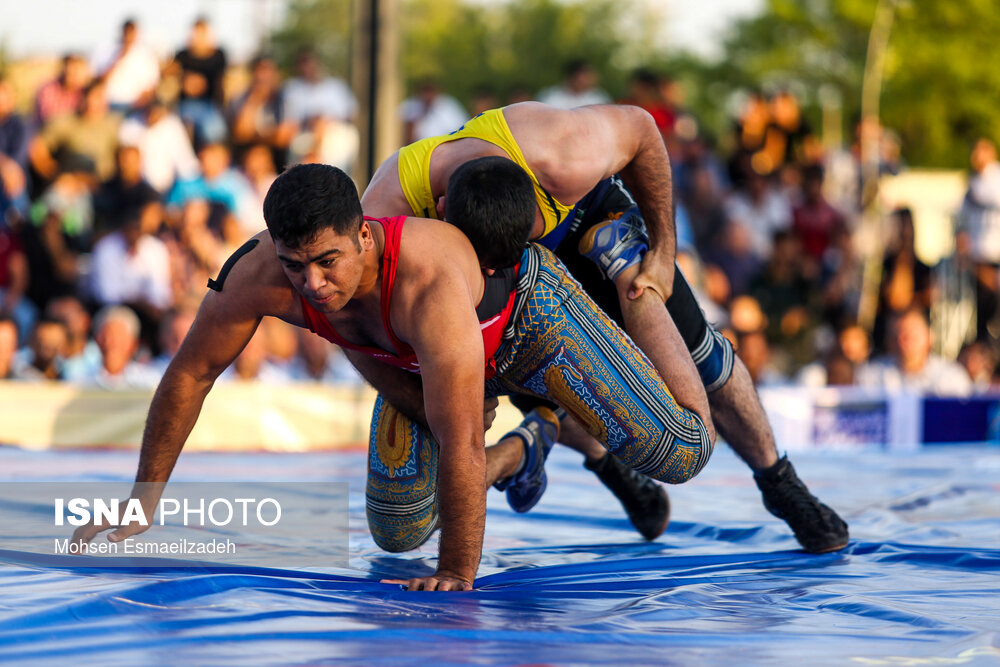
pixel 940 90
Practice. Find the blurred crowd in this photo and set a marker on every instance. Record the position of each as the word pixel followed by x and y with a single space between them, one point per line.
pixel 130 180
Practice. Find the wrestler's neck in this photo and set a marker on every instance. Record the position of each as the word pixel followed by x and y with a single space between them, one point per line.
pixel 451 155
pixel 369 292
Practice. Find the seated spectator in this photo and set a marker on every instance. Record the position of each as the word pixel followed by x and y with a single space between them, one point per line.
pixel 130 68
pixel 259 170
pixel 201 66
pixel 70 197
pixel 131 266
pixel 8 346
pixel 979 223
pixel 14 280
pixel 911 366
pixel 430 113
pixel 814 221
pixel 15 135
pixel 579 88
pixel 83 356
pixel 53 259
pixel 43 358
pixel 761 209
pixel 163 143
pixel 258 115
pixel 174 326
pixel 220 184
pixel 786 296
pixel 979 359
pixel 253 365
pixel 322 361
pixel 906 281
pixel 116 330
pixel 63 94
pixel 734 255
pixel 126 192
pixel 845 364
pixel 755 352
pixel 91 132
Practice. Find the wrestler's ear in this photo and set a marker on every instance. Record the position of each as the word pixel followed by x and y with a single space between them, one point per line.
pixel 365 238
pixel 440 208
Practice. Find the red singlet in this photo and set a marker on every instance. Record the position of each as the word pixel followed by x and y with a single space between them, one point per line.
pixel 492 322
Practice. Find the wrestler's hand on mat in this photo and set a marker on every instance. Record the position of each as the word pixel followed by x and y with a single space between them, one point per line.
pixel 656 273
pixel 490 406
pixel 85 533
pixel 442 580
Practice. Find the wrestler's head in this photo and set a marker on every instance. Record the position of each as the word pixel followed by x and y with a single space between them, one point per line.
pixel 314 217
pixel 492 200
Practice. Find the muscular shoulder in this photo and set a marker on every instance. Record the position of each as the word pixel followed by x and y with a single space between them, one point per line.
pixel 436 258
pixel 252 279
pixel 384 195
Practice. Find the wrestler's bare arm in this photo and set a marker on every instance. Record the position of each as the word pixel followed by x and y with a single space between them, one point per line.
pixel 224 325
pixel 571 151
pixel 433 309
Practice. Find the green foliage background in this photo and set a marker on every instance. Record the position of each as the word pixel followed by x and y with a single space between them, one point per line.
pixel 941 89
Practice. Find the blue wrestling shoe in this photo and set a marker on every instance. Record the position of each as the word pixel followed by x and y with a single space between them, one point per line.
pixel 617 243
pixel 539 430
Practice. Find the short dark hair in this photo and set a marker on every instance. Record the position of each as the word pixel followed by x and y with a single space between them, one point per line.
pixel 309 198
pixel 492 200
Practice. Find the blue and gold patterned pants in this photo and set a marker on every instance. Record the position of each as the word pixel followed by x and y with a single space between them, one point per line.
pixel 558 346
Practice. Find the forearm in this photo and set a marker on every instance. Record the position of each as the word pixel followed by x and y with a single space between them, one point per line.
pixel 401 389
pixel 462 502
pixel 172 414
pixel 649 180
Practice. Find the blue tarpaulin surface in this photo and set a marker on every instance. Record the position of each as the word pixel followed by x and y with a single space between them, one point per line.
pixel 568 583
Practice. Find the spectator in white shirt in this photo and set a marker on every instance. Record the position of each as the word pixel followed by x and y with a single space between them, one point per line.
pixel 431 113
pixel 116 329
pixel 912 366
pixel 130 69
pixel 131 266
pixel 578 89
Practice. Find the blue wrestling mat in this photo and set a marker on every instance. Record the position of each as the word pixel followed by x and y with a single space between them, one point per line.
pixel 568 583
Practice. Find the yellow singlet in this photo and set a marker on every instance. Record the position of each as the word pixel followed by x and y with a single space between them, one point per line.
pixel 491 126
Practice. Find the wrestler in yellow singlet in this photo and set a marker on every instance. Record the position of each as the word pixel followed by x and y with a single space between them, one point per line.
pixel 489 126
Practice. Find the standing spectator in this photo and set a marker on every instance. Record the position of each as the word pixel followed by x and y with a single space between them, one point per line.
pixel 323 109
pixel 259 170
pixel 14 140
pixel 431 113
pixel 8 346
pixel 906 281
pixel 63 94
pixel 814 221
pixel 579 88
pixel 202 66
pixel 130 68
pixel 116 330
pixel 131 266
pixel 163 143
pixel 258 115
pixel 979 223
pixel 912 366
pixel 90 133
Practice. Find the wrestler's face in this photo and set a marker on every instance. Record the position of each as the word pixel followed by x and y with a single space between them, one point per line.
pixel 328 270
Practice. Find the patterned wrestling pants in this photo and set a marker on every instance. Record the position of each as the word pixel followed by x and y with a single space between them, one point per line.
pixel 561 347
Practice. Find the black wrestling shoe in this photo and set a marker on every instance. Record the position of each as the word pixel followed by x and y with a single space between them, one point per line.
pixel 817 527
pixel 644 500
